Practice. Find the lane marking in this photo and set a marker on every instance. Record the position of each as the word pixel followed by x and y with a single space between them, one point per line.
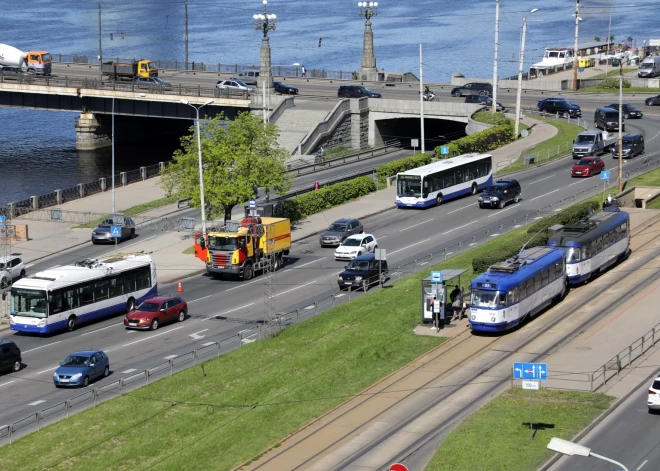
pixel 102 328
pixel 311 306
pixel 553 191
pixel 641 465
pixel 129 370
pixel 244 330
pixel 226 312
pixel 8 382
pixel 129 245
pixel 574 183
pixel 542 179
pixel 152 336
pixel 243 284
pixel 43 346
pixel 423 263
pixel 460 227
pixel 305 264
pixel 459 209
pixel 416 243
pixel 36 403
pixel 293 289
pixel 415 225
pixel 49 369
pixel 199 299
pixel 208 344
pixel 382 237
pixel 449 253
pixel 501 211
pixel 169 357
pixel 339 295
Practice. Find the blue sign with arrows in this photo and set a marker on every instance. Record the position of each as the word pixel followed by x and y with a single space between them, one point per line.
pixel 530 371
pixel 444 150
pixel 605 175
pixel 2 220
pixel 115 231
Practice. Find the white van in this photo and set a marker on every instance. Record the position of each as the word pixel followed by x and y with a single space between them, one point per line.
pixel 650 67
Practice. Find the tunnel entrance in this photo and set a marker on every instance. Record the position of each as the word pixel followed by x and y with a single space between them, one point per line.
pixel 401 130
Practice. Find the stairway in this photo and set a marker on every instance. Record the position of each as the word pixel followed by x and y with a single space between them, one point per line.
pixel 296 122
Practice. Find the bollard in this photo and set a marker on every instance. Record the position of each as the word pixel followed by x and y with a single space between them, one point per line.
pixel 81 190
pixel 333 299
pixel 445 252
pixel 604 374
pixel 642 345
pixel 123 178
pixel 350 288
pixel 172 365
pixel 143 172
pixel 38 421
pixel 591 383
pixel 653 339
pixel 217 349
pixel 162 165
pixel 195 351
pixel 240 340
pixel 58 196
pixel 618 365
pixel 94 396
pixel 316 308
pixel 121 386
pixel 67 405
pixel 630 354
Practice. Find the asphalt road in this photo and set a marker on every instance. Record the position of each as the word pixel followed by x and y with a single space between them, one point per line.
pixel 310 274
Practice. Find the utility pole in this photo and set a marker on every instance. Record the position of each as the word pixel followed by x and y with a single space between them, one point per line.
pixel 575 51
pixel 620 140
pixel 497 33
pixel 100 48
pixel 421 98
pixel 186 34
pixel 7 232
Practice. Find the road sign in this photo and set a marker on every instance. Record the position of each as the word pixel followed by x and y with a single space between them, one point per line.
pixel 398 467
pixel 115 231
pixel 252 204
pixel 581 69
pixel 380 254
pixel 535 385
pixel 605 175
pixel 524 133
pixel 530 371
pixel 414 142
pixel 2 220
pixel 444 150
pixel 436 277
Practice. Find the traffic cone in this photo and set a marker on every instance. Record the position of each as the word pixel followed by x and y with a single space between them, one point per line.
pixel 180 288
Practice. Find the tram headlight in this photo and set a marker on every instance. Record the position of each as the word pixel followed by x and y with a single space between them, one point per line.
pixel 492 319
pixel 474 318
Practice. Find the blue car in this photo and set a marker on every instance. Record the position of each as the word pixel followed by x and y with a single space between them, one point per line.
pixel 79 368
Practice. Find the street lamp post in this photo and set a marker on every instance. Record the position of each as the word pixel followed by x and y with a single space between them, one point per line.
pixel 520 69
pixel 264 22
pixel 573 449
pixel 368 69
pixel 100 48
pixel 575 50
pixel 270 73
pixel 620 140
pixel 199 156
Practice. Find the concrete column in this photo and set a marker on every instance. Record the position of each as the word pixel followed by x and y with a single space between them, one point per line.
pixel 264 65
pixel 368 70
pixel 58 196
pixel 81 190
pixel 143 173
pixel 35 202
pixel 359 123
pixel 104 184
pixel 90 134
pixel 123 178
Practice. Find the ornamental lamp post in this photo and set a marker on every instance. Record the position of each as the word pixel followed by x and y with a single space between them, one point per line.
pixel 368 69
pixel 520 69
pixel 264 22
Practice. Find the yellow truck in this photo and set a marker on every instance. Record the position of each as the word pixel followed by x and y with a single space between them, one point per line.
pixel 129 71
pixel 241 248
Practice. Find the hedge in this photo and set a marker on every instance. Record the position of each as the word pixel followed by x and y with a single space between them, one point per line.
pixel 613 83
pixel 482 141
pixel 325 198
pixel 537 232
pixel 392 168
pixel 488 117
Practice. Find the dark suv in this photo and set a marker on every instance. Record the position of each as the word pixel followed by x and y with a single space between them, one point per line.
pixel 10 356
pixel 339 230
pixel 631 145
pixel 500 193
pixel 362 272
pixel 473 88
pixel 607 119
pixel 356 91
pixel 561 106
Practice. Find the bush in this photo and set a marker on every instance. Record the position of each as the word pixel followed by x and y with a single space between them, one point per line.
pixel 392 168
pixel 498 119
pixel 536 234
pixel 324 198
pixel 482 141
pixel 613 83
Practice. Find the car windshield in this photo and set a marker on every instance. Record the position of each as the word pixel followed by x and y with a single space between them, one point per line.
pixel 350 242
pixel 223 243
pixel 646 65
pixel 358 265
pixel 612 115
pixel 627 142
pixel 409 185
pixel 337 228
pixel 486 298
pixel 585 162
pixel 241 83
pixel 28 303
pixel 148 306
pixel 585 139
pixel 494 189
pixel 76 361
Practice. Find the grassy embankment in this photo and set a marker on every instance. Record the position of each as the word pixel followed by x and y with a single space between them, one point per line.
pixel 614 72
pixel 133 211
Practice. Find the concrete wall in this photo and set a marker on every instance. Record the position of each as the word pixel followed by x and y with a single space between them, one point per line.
pixel 638 196
pixel 476 126
pixel 634 82
pixel 545 84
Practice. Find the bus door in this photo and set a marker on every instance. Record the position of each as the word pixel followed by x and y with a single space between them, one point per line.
pixel 201 246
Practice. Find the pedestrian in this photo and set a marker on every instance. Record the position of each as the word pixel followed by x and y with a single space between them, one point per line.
pixel 303 70
pixel 456 298
pixel 316 185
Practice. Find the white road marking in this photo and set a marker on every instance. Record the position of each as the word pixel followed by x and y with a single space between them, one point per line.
pixel 293 289
pixel 382 237
pixel 199 299
pixel 102 328
pixel 129 370
pixel 542 179
pixel 553 191
pixel 449 253
pixel 196 335
pixel 49 369
pixel 460 227
pixel 208 344
pixel 305 264
pixel 36 403
pixel 518 225
pixel 574 183
pixel 227 312
pixel 339 295
pixel 152 336
pixel 472 243
pixel 415 225
pixel 416 243
pixel 129 245
pixel 169 357
pixel 469 205
pixel 494 235
pixel 243 284
pixel 30 265
pixel 43 346
pixel 501 211
pixel 243 331
pixel 423 263
pixel 8 382
pixel 641 465
pixel 311 306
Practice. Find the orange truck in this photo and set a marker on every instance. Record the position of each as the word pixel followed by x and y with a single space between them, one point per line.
pixel 31 62
pixel 242 248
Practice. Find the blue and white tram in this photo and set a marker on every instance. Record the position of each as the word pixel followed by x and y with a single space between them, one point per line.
pixel 594 243
pixel 516 288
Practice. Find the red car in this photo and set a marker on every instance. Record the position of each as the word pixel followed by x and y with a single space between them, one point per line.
pixel 156 311
pixel 587 167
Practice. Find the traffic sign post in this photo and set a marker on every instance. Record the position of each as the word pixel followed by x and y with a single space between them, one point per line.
pixel 414 143
pixel 380 256
pixel 398 467
pixel 531 375
pixel 605 176
pixel 444 150
pixel 115 231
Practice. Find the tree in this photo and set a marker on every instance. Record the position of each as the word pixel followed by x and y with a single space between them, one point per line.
pixel 597 39
pixel 630 40
pixel 238 157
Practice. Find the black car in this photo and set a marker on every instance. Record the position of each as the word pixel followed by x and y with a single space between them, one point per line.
pixel 356 91
pixel 339 230
pixel 362 272
pixel 607 119
pixel 629 111
pixel 284 89
pixel 485 100
pixel 652 101
pixel 500 193
pixel 561 106
pixel 473 88
pixel 10 356
pixel 631 145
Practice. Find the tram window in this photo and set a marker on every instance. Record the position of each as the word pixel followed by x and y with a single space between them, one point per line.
pixel 559 269
pixel 544 277
pixel 537 283
pixel 586 251
pixel 523 290
pixel 501 299
pixel 513 295
pixel 599 244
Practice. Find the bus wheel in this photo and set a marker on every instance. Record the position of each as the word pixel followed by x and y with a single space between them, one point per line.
pixel 474 189
pixel 130 305
pixel 71 323
pixel 438 200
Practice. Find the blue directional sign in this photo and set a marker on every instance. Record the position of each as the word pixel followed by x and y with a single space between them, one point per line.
pixel 605 175
pixel 2 220
pixel 444 150
pixel 115 231
pixel 436 277
pixel 530 371
pixel 252 204
pixel 581 69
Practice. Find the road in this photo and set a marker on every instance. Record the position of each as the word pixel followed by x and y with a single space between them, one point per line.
pixel 310 274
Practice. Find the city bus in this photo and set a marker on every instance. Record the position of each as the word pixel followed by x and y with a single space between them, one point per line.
pixel 440 181
pixel 63 297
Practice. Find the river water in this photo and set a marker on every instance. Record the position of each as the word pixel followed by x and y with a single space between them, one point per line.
pixel 37 148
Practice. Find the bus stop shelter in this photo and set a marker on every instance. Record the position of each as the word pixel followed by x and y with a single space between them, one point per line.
pixel 435 297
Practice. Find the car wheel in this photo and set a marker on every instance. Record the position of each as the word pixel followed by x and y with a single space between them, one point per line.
pixel 474 189
pixel 501 204
pixel 154 324
pixel 248 272
pixel 595 124
pixel 22 275
pixel 106 372
pixel 483 93
pixel 85 382
pixel 456 93
pixel 16 366
pixel 438 200
pixel 132 234
pixel 626 116
pixel 516 199
pixel 182 316
pixel 130 305
pixel 71 323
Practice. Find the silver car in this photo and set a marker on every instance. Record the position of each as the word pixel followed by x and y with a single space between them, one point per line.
pixel 103 232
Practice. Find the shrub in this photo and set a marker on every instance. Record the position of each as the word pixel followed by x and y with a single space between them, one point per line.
pixel 392 168
pixel 325 198
pixel 498 119
pixel 613 83
pixel 482 141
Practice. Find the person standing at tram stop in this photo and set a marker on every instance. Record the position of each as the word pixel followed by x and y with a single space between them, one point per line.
pixel 456 297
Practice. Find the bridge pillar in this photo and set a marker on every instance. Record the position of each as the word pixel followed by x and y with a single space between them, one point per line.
pixel 90 134
pixel 359 123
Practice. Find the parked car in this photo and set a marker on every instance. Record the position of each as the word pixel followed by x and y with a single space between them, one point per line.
pixel 486 100
pixel 362 272
pixel 284 89
pixel 607 119
pixel 234 84
pixel 561 106
pixel 249 77
pixel 631 146
pixel 80 368
pixel 473 88
pixel 629 111
pixel 102 232
pixel 356 245
pixel 356 91
pixel 500 193
pixel 339 230
pixel 10 356
pixel 653 400
pixel 12 268
pixel 587 166
pixel 652 101
pixel 152 83
pixel 153 312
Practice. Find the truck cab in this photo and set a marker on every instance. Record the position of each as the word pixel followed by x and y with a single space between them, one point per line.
pixel 146 68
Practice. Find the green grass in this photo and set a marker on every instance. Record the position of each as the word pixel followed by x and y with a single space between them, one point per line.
pixel 497 437
pixel 488 117
pixel 189 251
pixel 612 73
pixel 625 90
pixel 132 211
pixel 566 132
